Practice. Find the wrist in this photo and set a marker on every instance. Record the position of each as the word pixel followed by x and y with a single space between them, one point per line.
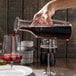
pixel 51 7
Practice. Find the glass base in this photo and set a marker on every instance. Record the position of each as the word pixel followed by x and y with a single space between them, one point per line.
pixel 59 72
pixel 49 74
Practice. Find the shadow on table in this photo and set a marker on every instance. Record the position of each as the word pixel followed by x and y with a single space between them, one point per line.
pixel 33 74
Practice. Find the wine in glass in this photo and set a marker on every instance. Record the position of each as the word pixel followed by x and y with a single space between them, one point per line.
pixel 10 49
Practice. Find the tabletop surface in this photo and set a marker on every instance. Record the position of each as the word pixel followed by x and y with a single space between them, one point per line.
pixel 63 67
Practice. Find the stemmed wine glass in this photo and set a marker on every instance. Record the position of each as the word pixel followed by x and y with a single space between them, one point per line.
pixel 49 45
pixel 10 49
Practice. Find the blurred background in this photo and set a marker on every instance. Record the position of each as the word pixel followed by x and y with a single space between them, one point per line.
pixel 25 9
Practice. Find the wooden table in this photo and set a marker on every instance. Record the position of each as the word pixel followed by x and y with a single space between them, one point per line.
pixel 69 67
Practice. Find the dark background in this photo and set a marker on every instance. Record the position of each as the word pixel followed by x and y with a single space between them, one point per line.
pixel 25 9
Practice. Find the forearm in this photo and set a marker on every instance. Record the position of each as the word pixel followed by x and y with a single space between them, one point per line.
pixel 49 9
pixel 54 5
pixel 63 4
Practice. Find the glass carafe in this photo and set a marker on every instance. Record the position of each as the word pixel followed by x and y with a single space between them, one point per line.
pixel 59 29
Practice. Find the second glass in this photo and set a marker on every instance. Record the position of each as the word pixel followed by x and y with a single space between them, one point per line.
pixel 49 45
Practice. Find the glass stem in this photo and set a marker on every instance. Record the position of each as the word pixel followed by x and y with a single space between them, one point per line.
pixel 11 64
pixel 48 64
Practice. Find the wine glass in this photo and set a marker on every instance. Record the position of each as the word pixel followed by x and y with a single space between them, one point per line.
pixel 10 49
pixel 49 45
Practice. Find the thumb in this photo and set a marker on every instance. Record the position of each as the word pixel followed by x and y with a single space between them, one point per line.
pixel 37 15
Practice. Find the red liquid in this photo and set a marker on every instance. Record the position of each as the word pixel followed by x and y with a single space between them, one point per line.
pixel 43 56
pixel 60 32
pixel 14 32
pixel 44 50
pixel 12 57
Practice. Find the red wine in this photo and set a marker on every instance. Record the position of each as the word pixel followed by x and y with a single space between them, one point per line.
pixel 44 55
pixel 12 57
pixel 14 32
pixel 60 32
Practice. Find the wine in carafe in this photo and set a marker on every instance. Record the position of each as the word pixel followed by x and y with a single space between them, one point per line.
pixel 59 29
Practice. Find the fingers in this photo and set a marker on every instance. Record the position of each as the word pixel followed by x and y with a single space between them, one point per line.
pixel 49 21
pixel 41 21
pixel 37 15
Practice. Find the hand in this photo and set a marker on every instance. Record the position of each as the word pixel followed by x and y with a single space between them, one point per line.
pixel 44 16
pixel 39 19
